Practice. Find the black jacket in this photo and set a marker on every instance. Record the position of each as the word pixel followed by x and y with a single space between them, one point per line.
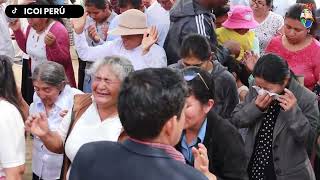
pixel 227 157
pixel 106 160
pixel 187 17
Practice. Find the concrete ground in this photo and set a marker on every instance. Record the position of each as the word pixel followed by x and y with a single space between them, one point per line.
pixel 17 71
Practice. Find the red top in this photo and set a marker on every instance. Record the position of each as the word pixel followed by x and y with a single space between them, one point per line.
pixel 59 52
pixel 304 62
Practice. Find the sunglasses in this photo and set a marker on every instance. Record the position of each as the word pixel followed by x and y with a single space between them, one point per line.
pixel 189 75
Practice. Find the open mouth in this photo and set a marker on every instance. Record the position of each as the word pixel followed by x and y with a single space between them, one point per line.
pixel 103 94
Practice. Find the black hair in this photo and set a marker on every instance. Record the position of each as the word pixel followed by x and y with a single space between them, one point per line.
pixel 295 11
pixel 198 88
pixel 195 45
pixel 269 3
pixel 135 3
pixel 8 87
pixel 47 2
pixel 272 68
pixel 99 4
pixel 148 98
pixel 221 11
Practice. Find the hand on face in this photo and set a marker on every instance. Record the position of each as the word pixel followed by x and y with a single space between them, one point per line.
pixel 93 34
pixel 263 101
pixel 287 101
pixel 50 39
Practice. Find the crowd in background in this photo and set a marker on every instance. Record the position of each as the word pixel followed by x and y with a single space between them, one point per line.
pixel 166 89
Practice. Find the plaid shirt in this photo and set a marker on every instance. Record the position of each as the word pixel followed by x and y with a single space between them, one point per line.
pixel 171 151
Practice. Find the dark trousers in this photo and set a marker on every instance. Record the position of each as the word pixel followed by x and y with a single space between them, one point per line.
pixel 317 167
pixel 35 177
pixel 26 82
pixel 81 72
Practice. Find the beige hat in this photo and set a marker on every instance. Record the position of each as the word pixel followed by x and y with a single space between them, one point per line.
pixel 131 22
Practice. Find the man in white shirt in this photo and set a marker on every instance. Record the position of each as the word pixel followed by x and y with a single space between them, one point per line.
pixel 135 43
pixel 6 47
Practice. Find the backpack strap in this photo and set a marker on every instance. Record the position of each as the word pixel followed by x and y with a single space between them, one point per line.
pixel 80 105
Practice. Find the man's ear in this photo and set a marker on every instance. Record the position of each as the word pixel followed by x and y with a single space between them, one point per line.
pixel 209 105
pixel 169 127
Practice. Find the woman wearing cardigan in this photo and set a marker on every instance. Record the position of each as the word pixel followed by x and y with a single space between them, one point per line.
pixel 45 40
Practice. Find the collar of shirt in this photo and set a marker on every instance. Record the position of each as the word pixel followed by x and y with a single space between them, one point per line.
pixel 186 148
pixel 171 151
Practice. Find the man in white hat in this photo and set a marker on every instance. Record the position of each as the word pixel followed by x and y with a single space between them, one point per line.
pixel 137 42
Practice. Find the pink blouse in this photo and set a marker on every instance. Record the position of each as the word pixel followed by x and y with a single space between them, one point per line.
pixel 305 62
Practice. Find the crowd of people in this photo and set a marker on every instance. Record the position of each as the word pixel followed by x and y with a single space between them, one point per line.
pixel 185 89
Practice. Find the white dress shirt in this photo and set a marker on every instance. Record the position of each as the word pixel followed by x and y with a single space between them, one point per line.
pixel 159 17
pixel 45 163
pixel 155 58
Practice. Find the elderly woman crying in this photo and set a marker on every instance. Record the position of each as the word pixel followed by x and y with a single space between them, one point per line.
pixel 94 117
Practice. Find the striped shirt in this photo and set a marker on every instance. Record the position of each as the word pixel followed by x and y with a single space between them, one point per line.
pixel 171 151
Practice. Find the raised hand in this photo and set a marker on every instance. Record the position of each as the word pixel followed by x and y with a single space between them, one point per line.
pixel 201 161
pixel 49 39
pixel 37 125
pixel 78 23
pixel 15 25
pixel 287 101
pixel 250 60
pixel 105 29
pixel 149 39
pixel 93 34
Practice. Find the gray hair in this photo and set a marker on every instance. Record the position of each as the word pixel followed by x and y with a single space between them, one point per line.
pixel 120 66
pixel 51 73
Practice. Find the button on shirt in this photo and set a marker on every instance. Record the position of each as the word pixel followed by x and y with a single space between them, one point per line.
pixel 155 58
pixel 45 163
pixel 186 148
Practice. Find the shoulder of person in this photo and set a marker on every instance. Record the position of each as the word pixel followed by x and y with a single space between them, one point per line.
pixel 58 28
pixel 8 110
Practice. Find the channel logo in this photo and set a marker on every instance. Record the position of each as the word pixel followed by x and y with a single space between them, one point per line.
pixel 44 11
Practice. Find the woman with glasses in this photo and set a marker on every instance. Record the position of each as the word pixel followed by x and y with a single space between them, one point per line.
pixel 195 51
pixel 282 117
pixel 225 148
pixel 298 46
pixel 269 22
pixel 94 117
pixel 12 146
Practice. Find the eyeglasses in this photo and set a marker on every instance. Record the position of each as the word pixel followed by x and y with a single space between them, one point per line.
pixel 189 75
pixel 106 80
